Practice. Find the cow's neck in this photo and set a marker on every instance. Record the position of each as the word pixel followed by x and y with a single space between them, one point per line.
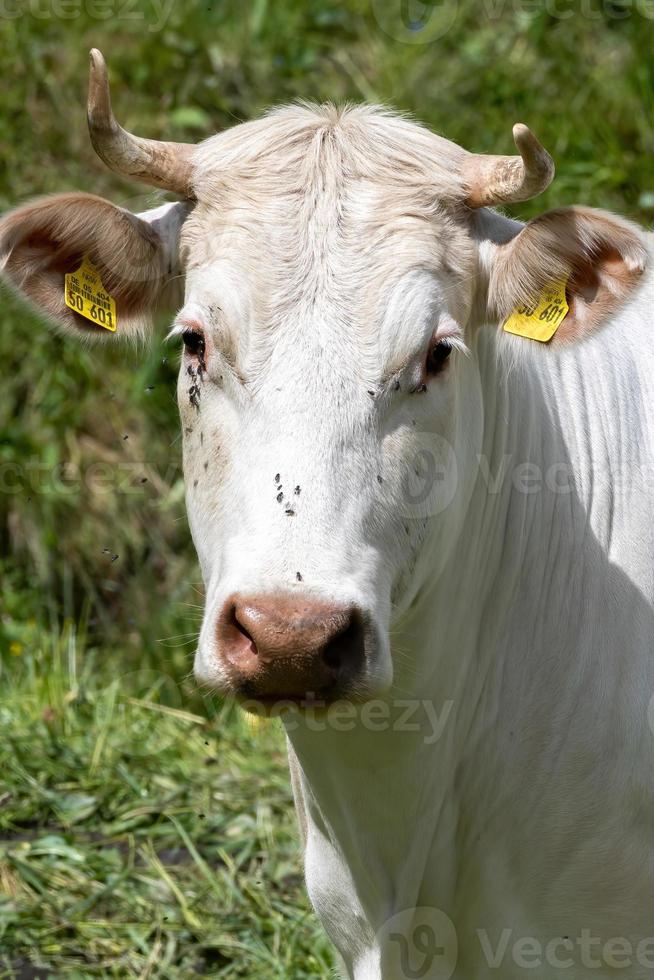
pixel 395 811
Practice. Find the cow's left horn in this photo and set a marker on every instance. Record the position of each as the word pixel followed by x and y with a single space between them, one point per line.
pixel 168 165
pixel 501 180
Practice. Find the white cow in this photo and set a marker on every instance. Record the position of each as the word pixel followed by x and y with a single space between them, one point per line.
pixel 430 539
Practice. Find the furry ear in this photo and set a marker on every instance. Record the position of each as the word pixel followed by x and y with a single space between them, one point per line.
pixel 135 255
pixel 601 256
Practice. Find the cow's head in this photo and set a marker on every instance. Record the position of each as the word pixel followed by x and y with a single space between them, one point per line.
pixel 337 267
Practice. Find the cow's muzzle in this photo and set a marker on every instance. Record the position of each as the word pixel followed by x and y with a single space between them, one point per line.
pixel 286 647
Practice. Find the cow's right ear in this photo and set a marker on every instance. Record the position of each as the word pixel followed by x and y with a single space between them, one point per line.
pixel 135 256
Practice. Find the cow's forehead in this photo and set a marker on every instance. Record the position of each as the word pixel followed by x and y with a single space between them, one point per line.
pixel 314 207
pixel 320 143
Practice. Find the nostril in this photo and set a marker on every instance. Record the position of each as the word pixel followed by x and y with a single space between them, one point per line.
pixel 344 651
pixel 239 627
pixel 332 655
pixel 237 642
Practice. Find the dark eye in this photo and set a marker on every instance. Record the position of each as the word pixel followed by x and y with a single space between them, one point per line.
pixel 193 343
pixel 437 356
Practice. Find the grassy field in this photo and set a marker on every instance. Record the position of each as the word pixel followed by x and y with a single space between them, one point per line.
pixel 140 838
pixel 146 831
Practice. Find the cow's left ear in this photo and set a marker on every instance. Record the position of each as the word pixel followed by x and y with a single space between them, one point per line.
pixel 130 270
pixel 600 257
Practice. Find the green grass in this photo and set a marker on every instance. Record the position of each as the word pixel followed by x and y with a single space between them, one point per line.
pixel 138 837
pixel 106 866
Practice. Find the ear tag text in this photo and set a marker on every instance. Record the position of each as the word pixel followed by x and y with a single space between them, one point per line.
pixel 541 319
pixel 85 294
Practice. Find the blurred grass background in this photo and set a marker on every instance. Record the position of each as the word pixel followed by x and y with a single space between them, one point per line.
pixel 146 831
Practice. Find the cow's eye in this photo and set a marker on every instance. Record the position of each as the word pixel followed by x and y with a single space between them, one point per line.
pixel 437 356
pixel 193 343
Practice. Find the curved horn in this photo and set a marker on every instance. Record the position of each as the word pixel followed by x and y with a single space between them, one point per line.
pixel 167 165
pixel 501 180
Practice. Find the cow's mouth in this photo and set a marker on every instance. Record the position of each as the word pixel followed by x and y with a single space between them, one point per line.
pixel 275 705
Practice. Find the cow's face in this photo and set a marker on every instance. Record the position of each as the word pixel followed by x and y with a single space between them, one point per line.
pixel 337 267
pixel 322 402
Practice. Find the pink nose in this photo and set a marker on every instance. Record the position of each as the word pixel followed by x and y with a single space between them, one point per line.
pixel 283 646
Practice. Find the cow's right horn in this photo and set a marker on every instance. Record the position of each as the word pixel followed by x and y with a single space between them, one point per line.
pixel 167 165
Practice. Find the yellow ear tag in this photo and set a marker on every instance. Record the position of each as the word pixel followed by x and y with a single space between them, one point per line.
pixel 541 319
pixel 85 294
